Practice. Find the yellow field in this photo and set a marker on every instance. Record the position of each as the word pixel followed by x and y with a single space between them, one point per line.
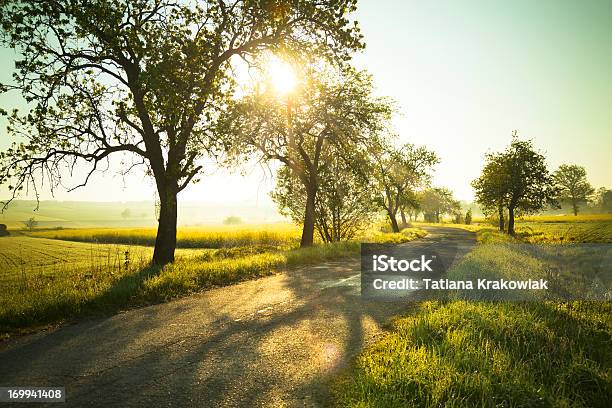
pixel 281 234
pixel 559 218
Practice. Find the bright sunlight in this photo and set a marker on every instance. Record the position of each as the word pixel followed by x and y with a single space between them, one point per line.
pixel 281 75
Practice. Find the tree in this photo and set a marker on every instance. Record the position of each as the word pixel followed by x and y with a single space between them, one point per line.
pixel 518 179
pixel 409 204
pixel 603 200
pixel 398 173
pixel 436 202
pixel 491 188
pixel 146 78
pixel 30 223
pixel 458 217
pixel 343 205
pixel 572 185
pixel 531 186
pixel 127 213
pixel 232 220
pixel 468 217
pixel 333 110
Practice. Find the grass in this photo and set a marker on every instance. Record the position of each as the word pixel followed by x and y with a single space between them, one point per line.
pixel 586 230
pixel 557 218
pixel 188 237
pixel 48 281
pixel 466 354
pixel 456 353
pixel 406 235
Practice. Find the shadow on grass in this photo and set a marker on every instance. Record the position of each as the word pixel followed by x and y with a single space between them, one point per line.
pixel 123 293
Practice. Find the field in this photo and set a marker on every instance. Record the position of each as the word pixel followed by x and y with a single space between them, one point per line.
pixel 47 281
pixel 462 353
pixel 280 234
pixel 547 229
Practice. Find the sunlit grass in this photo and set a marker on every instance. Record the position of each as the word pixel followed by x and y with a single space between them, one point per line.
pixel 466 354
pixel 557 218
pixel 187 237
pixel 541 232
pixel 46 281
pixel 457 353
pixel 405 235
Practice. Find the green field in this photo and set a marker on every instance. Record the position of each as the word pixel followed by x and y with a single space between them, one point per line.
pixel 456 353
pixel 547 229
pixel 28 255
pixel 45 281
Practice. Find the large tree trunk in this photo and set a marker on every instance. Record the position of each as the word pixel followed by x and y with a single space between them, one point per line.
pixel 165 243
pixel 393 219
pixel 511 220
pixel 502 224
pixel 309 217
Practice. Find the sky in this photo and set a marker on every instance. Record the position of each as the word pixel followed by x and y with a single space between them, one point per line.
pixel 465 75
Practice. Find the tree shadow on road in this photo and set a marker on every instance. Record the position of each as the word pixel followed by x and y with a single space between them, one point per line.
pixel 274 341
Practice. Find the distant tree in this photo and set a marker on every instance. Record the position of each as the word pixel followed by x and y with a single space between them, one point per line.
pixel 409 204
pixel 531 187
pixel 603 200
pixel 146 78
pixel 468 217
pixel 335 111
pixel 232 220
pixel 343 206
pixel 458 217
pixel 435 202
pixel 397 174
pixel 518 179
pixel 492 188
pixel 30 223
pixel 573 186
pixel 127 213
pixel 3 230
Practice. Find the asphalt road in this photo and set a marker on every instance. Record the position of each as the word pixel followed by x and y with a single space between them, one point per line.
pixel 274 341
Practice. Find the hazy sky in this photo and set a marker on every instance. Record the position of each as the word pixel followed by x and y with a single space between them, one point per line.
pixel 465 74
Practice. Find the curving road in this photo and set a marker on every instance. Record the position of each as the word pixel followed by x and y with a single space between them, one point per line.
pixel 274 341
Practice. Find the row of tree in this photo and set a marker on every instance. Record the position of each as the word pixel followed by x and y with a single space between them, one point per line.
pixel 155 80
pixel 517 181
pixel 340 165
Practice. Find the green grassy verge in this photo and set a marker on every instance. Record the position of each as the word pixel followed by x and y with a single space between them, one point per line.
pixel 463 354
pixel 456 353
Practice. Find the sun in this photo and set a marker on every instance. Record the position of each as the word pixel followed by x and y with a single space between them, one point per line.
pixel 281 76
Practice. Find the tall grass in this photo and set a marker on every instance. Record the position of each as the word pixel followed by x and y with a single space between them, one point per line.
pixel 456 353
pixel 187 237
pixel 463 354
pixel 76 279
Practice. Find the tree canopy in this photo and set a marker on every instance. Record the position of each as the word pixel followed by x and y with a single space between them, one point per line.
pixel 146 78
pixel 517 179
pixel 397 173
pixel 333 111
pixel 573 185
